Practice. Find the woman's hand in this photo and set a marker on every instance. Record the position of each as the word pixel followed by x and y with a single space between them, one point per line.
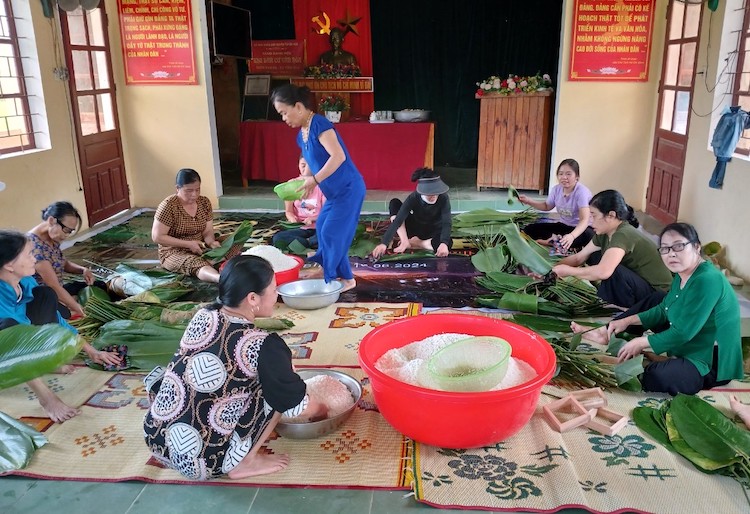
pixel 442 250
pixel 523 199
pixel 617 326
pixel 567 240
pixel 77 310
pixel 88 276
pixel 632 348
pixel 102 358
pixel 291 218
pixel 308 222
pixel 194 247
pixel 563 270
pixel 308 186
pixel 213 244
pixel 379 250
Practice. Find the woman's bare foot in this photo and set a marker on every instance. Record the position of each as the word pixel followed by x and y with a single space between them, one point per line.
pixel 596 335
pixel 741 409
pixel 65 369
pixel 55 408
pixel 260 464
pixel 348 284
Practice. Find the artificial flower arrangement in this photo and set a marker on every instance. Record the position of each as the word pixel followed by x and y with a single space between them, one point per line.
pixel 333 102
pixel 329 71
pixel 513 85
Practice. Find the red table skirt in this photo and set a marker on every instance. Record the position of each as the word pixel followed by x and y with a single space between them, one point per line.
pixel 385 153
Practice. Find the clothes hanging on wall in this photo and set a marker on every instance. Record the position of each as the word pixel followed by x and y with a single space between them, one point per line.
pixel 732 123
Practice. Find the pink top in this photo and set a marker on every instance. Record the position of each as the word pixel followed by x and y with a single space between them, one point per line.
pixel 309 207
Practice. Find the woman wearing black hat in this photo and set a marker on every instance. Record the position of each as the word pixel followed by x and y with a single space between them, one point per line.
pixel 423 220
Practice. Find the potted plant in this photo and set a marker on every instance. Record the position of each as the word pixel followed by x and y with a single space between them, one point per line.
pixel 513 85
pixel 332 105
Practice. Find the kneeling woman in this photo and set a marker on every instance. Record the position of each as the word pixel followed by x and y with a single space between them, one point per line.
pixel 697 324
pixel 228 384
pixel 423 220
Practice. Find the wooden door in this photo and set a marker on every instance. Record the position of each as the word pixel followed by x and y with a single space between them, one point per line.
pixel 673 115
pixel 92 92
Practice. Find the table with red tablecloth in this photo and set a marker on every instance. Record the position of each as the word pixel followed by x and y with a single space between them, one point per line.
pixel 385 153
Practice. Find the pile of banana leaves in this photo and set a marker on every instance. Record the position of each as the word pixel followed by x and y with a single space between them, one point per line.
pixel 692 427
pixel 582 368
pixel 151 328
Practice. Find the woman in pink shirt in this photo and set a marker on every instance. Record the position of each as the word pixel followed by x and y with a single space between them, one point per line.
pixel 303 211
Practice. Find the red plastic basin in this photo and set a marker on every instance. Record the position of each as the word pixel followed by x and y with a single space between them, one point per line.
pixel 289 275
pixel 452 419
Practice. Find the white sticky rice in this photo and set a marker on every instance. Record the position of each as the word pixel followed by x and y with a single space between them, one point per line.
pixel 279 261
pixel 404 363
pixel 330 392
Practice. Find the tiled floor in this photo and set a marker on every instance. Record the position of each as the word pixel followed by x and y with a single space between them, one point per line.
pixel 30 496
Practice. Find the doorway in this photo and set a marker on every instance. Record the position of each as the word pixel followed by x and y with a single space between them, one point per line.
pixel 93 101
pixel 673 115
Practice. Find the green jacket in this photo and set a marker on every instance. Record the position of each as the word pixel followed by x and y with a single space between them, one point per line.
pixel 704 312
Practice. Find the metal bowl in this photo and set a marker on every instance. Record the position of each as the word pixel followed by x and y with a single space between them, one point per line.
pixel 411 115
pixel 323 427
pixel 310 294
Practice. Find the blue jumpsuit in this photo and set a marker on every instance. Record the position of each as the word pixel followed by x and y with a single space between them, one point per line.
pixel 344 190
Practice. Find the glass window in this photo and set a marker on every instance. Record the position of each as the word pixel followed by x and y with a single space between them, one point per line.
pixel 741 90
pixel 16 128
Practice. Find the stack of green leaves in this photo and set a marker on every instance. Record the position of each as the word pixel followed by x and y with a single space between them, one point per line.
pixel 698 431
pixel 569 296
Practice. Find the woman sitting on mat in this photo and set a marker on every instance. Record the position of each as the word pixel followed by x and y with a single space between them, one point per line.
pixel 305 211
pixel 183 228
pixel 228 384
pixel 697 324
pixel 24 302
pixel 423 220
pixel 571 198
pixel 623 259
pixel 333 170
pixel 60 220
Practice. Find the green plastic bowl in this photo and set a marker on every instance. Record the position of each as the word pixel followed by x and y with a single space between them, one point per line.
pixel 469 365
pixel 287 191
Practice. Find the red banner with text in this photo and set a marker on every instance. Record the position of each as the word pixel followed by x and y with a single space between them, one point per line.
pixel 157 41
pixel 282 58
pixel 611 40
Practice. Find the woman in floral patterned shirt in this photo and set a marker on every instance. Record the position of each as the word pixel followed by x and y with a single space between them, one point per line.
pixel 217 402
pixel 59 221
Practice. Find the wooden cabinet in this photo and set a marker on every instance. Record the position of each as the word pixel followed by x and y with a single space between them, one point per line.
pixel 514 141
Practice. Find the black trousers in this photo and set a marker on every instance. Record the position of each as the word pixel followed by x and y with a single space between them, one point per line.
pixel 547 230
pixel 624 288
pixel 40 311
pixel 679 375
pixel 415 229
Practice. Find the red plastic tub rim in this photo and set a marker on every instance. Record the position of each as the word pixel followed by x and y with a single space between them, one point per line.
pixel 530 387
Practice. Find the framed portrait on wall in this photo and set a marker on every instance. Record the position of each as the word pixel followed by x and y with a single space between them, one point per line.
pixel 257 85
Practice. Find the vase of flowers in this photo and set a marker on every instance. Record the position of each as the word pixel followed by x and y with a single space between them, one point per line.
pixel 332 106
pixel 513 85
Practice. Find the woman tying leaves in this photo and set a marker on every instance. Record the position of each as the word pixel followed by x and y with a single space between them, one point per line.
pixel 697 325
pixel 183 228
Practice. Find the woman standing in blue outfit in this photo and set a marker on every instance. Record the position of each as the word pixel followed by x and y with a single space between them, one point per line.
pixel 333 170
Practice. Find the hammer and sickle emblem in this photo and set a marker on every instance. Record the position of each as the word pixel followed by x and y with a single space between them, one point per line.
pixel 325 28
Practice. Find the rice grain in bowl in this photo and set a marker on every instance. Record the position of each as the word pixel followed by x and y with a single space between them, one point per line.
pixel 296 430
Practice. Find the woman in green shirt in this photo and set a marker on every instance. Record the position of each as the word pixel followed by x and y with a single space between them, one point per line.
pixel 697 324
pixel 623 259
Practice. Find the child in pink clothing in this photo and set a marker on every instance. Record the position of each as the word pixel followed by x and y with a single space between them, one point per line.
pixel 303 211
